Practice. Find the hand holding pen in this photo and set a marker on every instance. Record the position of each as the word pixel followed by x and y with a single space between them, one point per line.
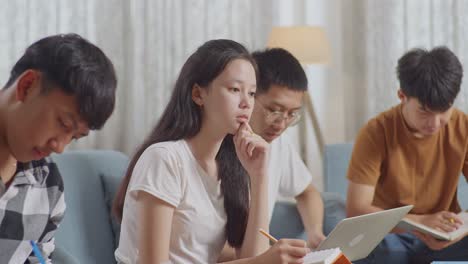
pixel 284 250
pixel 37 252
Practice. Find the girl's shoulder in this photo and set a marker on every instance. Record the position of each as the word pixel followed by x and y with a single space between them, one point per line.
pixel 167 147
pixel 173 152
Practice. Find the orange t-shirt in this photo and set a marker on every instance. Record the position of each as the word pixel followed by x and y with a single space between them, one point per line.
pixel 408 170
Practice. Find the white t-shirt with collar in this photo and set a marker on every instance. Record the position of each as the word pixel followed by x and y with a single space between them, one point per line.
pixel 169 171
pixel 288 176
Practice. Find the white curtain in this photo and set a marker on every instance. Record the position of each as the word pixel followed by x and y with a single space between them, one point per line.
pixel 377 33
pixel 148 41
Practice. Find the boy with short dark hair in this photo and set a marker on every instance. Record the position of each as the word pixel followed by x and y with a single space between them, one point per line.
pixel 414 154
pixel 62 87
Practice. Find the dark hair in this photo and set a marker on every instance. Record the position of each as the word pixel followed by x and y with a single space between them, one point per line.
pixel 279 67
pixel 77 67
pixel 433 77
pixel 182 119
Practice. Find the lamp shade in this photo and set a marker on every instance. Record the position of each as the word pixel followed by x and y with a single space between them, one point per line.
pixel 307 43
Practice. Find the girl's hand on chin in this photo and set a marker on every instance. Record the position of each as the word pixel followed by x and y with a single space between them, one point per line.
pixel 252 150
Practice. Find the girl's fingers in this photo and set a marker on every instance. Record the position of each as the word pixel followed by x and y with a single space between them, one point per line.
pixel 239 135
pixel 246 141
pixel 295 242
pixel 241 128
pixel 294 260
pixel 242 146
pixel 247 126
pixel 298 252
pixel 250 148
pixel 250 145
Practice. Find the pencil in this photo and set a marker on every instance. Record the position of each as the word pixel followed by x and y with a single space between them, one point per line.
pixel 272 239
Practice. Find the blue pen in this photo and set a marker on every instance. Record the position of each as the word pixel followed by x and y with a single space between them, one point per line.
pixel 37 252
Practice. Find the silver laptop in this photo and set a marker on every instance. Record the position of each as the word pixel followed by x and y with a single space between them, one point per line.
pixel 358 236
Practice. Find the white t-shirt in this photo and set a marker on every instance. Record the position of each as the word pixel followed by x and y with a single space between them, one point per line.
pixel 170 172
pixel 288 176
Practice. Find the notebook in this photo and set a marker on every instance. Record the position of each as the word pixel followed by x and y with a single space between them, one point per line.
pixel 411 225
pixel 327 256
pixel 357 236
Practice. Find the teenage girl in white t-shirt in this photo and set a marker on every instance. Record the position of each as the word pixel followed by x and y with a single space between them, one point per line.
pixel 199 179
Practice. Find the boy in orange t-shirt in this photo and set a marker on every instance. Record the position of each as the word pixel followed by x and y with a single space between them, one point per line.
pixel 414 154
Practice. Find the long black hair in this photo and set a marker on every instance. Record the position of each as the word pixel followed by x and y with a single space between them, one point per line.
pixel 182 119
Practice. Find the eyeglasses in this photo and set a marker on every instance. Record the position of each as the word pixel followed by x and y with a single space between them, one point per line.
pixel 274 116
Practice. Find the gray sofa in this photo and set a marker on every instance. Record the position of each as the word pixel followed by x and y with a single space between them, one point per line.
pixel 87 234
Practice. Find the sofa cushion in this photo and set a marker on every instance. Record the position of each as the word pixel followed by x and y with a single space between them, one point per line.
pixel 336 161
pixel 86 231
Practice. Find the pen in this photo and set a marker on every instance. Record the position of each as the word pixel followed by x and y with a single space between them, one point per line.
pixel 37 252
pixel 272 239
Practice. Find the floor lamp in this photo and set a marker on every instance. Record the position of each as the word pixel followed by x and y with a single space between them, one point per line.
pixel 309 45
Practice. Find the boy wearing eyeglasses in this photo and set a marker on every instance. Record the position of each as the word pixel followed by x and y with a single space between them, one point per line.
pixel 281 85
